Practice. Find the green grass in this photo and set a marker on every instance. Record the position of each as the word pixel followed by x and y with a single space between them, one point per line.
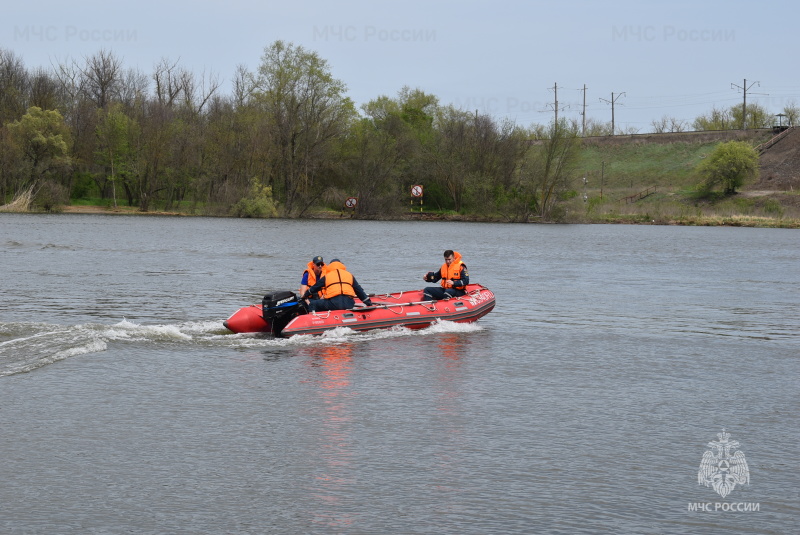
pixel 634 167
pixel 617 170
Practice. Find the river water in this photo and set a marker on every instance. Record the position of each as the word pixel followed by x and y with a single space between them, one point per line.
pixel 584 403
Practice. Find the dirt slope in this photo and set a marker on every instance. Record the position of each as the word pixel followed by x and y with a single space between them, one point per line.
pixel 780 165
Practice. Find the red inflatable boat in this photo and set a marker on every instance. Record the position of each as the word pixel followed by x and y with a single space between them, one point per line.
pixel 283 315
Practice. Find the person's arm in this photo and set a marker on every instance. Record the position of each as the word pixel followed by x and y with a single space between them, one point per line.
pixel 361 293
pixel 303 284
pixel 463 279
pixel 320 284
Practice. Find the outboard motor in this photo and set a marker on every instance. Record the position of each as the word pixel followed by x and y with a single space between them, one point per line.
pixel 278 309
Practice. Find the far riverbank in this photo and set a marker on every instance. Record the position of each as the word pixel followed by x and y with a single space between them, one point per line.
pixel 733 220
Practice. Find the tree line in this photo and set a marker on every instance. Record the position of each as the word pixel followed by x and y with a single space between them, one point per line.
pixel 286 141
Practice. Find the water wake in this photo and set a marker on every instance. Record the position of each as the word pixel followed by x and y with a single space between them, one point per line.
pixel 27 346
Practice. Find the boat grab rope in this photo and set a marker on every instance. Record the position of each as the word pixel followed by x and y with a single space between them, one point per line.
pixel 474 292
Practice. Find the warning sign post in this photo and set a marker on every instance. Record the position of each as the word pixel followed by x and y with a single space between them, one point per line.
pixel 416 195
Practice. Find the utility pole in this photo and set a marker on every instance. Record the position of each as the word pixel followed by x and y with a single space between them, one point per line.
pixel 612 101
pixel 602 178
pixel 583 130
pixel 555 105
pixel 744 87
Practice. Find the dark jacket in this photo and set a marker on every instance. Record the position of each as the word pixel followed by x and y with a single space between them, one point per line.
pixel 459 283
pixel 320 284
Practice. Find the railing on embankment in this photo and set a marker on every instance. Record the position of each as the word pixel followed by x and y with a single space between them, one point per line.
pixel 774 139
pixel 641 195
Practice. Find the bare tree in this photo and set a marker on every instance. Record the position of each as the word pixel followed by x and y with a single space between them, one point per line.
pixel 134 87
pixel 68 76
pixel 44 90
pixel 243 86
pixel 101 78
pixel 668 124
pixel 167 77
pixel 196 94
pixel 13 81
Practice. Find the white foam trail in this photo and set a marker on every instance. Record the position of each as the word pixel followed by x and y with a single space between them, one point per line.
pixel 126 330
pixel 31 351
pixel 26 338
pixel 95 346
pixel 452 327
pixel 203 327
pixel 34 345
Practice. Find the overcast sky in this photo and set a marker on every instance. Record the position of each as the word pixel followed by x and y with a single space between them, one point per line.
pixel 677 58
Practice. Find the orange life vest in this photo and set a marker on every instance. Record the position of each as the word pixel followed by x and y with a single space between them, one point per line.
pixel 312 277
pixel 451 272
pixel 338 281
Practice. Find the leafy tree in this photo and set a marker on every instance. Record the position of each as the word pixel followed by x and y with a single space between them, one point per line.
pixel 407 121
pixel 44 143
pixel 792 113
pixel 473 153
pixel 236 148
pixel 729 165
pixel 496 152
pixel 544 175
pixel 452 157
pixel 371 168
pixel 757 116
pixel 593 128
pixel 9 156
pixel 731 118
pixel 309 112
pixel 114 153
pixel 153 144
pixel 716 119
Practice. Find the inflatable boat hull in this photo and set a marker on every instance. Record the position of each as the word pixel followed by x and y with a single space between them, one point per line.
pixel 406 309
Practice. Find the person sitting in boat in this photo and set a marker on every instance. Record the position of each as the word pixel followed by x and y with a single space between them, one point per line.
pixel 453 277
pixel 339 287
pixel 312 273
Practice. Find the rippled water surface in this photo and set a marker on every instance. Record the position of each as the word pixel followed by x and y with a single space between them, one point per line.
pixel 583 403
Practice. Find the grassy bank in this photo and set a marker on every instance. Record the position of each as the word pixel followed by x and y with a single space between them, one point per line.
pixel 664 175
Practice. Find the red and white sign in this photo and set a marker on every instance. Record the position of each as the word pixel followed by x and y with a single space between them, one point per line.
pixel 416 191
pixel 351 202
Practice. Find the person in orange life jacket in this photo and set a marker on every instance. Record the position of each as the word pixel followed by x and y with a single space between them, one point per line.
pixel 340 288
pixel 453 277
pixel 312 273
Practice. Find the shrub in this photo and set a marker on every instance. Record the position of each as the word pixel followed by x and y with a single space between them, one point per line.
pixel 258 203
pixel 51 197
pixel 729 165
